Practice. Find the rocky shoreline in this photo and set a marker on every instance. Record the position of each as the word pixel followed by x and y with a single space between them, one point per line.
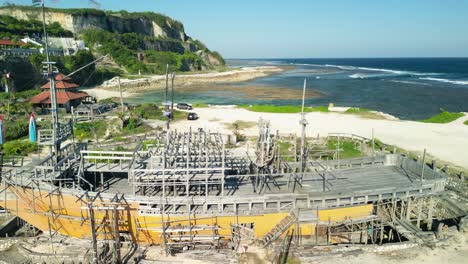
pixel 158 82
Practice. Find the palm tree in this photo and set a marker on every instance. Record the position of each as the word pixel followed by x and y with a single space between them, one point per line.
pixel 27 108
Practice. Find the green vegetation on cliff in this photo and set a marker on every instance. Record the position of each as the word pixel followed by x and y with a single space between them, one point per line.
pixel 142 42
pixel 160 19
pixel 124 49
pixel 11 27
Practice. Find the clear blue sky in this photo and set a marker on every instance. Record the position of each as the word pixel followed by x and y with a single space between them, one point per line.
pixel 313 28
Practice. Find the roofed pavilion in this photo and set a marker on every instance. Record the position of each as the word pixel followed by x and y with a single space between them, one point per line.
pixel 67 94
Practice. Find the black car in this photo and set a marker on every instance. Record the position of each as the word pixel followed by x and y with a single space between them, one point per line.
pixel 192 116
pixel 184 106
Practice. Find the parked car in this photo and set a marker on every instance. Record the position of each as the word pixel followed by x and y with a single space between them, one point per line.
pixel 184 106
pixel 192 116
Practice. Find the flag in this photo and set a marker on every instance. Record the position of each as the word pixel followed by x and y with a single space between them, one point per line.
pixel 2 130
pixel 37 2
pixel 32 129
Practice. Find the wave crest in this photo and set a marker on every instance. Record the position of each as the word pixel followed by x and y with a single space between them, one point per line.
pixel 460 82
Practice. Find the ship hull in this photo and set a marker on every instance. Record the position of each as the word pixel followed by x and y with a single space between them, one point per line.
pixel 70 215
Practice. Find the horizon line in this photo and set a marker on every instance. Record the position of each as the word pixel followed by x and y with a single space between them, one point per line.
pixel 313 58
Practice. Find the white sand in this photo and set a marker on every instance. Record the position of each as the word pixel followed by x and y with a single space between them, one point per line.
pixel 448 142
pixel 100 93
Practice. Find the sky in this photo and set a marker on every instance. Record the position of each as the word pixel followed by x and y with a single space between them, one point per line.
pixel 313 28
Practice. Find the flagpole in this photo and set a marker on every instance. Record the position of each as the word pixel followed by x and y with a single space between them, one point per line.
pixel 53 93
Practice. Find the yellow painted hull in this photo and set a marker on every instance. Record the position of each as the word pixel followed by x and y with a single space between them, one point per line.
pixel 68 215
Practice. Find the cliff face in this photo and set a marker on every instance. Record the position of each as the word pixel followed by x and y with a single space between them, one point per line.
pixel 147 24
pixel 116 23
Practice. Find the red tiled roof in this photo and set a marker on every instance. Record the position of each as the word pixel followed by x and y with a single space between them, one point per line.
pixel 11 43
pixel 61 76
pixel 62 97
pixel 61 83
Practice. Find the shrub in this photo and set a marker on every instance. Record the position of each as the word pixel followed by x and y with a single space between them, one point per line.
pixel 148 111
pixel 132 124
pixel 16 129
pixel 18 148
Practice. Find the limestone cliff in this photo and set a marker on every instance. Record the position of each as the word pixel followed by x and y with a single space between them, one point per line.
pixel 145 23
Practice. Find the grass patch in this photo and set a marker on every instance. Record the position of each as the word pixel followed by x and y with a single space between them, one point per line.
pixel 87 130
pixel 283 108
pixel 285 149
pixel 349 148
pixel 153 111
pixel 364 112
pixel 323 109
pixel 357 110
pixel 200 105
pixel 443 117
pixel 466 122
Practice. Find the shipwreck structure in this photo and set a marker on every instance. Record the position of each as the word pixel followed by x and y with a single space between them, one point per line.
pixel 184 190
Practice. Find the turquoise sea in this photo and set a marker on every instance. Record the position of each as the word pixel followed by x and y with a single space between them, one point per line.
pixel 408 88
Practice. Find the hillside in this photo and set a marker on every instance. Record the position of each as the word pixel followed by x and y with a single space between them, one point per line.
pixel 156 38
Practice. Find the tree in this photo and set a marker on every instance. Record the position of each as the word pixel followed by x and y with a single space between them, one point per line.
pixel 82 58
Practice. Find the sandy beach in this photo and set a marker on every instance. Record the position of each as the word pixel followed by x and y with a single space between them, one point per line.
pixel 448 142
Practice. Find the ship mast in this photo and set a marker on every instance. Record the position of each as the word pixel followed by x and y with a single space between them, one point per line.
pixel 303 123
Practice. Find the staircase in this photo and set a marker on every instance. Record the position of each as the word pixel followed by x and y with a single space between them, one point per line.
pixel 279 229
pixel 412 233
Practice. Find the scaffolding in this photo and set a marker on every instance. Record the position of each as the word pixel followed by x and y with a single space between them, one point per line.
pixel 183 164
pixel 109 222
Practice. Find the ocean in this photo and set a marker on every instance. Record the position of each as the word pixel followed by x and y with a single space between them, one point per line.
pixel 408 88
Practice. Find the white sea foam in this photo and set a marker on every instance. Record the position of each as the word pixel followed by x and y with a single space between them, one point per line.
pixel 387 72
pixel 409 82
pixel 366 75
pixel 393 72
pixel 359 76
pixel 341 67
pixel 460 82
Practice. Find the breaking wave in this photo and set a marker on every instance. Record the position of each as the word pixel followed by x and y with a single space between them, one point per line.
pixel 460 82
pixel 387 72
